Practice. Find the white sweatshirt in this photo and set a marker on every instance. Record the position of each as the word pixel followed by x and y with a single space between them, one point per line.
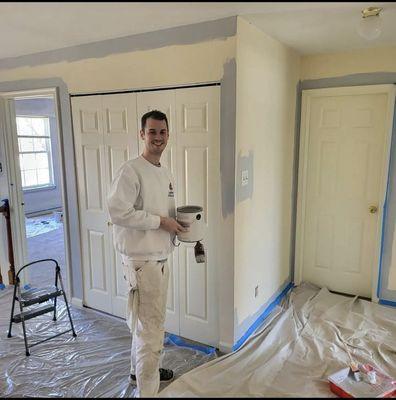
pixel 139 194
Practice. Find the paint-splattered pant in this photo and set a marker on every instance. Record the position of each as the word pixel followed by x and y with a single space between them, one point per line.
pixel 146 309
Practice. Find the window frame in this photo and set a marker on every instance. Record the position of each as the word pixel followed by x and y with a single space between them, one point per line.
pixel 51 183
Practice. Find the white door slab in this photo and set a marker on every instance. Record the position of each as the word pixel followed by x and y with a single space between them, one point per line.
pixel 198 160
pixel 105 137
pixel 164 101
pixel 120 145
pixel 91 172
pixel 344 154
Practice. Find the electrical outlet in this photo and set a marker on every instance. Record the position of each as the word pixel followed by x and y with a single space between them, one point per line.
pixel 256 291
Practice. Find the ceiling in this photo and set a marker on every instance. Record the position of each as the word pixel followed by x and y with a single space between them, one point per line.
pixel 308 27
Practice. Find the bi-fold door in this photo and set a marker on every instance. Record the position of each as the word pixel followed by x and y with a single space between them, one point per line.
pixel 106 129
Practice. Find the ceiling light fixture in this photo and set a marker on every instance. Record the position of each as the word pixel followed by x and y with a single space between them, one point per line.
pixel 370 24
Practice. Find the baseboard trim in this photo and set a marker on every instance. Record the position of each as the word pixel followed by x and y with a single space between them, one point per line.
pixel 263 316
pixel 77 302
pixel 225 347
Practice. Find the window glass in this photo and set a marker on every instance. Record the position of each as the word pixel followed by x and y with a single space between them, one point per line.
pixel 34 144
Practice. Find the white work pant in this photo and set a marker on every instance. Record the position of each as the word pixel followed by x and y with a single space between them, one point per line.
pixel 146 308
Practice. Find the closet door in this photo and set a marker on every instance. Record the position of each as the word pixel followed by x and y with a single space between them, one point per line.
pixel 164 100
pixel 106 130
pixel 198 160
pixel 120 145
pixel 91 172
pixel 105 137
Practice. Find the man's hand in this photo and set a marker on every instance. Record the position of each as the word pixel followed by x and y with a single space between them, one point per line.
pixel 171 225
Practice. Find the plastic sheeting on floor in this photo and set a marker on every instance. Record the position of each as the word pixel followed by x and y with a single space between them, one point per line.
pixel 95 364
pixel 298 348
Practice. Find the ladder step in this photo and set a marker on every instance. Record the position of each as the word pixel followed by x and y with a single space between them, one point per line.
pixel 33 313
pixel 35 296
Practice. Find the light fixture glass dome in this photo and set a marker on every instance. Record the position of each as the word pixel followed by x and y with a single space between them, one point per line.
pixel 370 24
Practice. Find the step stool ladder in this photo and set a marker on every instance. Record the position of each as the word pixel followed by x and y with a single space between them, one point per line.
pixel 30 297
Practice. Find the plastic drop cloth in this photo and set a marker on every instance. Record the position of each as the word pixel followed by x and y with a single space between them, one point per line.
pixel 95 364
pixel 297 348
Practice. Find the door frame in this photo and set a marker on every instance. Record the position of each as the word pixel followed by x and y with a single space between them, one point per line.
pixel 389 89
pixel 13 175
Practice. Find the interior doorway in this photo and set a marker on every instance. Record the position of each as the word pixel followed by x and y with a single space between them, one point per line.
pixel 343 172
pixel 35 177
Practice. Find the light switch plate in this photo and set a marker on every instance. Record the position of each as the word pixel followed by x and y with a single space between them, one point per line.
pixel 245 177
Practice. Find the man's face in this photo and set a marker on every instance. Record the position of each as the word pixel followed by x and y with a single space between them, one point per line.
pixel 155 136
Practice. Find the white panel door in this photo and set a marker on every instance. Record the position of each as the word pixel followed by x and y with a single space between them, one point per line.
pixel 164 100
pixel 343 170
pixel 105 137
pixel 198 160
pixel 120 144
pixel 91 172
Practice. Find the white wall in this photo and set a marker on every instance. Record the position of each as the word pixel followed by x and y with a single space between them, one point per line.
pixel 267 78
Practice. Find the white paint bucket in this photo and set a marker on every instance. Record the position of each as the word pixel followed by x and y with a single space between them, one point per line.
pixel 191 216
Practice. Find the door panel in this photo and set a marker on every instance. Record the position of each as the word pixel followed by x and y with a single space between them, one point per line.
pixel 120 144
pixel 97 267
pixel 344 159
pixel 90 154
pixel 198 136
pixel 164 101
pixel 93 187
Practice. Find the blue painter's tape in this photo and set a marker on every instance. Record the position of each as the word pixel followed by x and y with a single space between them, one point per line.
pixel 382 243
pixel 2 286
pixel 178 341
pixel 262 317
pixel 387 303
pixel 384 215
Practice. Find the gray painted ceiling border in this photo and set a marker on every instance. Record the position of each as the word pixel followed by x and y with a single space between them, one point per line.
pixel 181 35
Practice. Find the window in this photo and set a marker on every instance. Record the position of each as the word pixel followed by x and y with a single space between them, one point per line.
pixel 34 143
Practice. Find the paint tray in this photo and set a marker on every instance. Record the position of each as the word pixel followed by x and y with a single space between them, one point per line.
pixel 343 384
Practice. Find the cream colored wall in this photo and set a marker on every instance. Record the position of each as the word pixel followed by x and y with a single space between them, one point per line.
pixel 167 66
pixel 267 77
pixel 352 62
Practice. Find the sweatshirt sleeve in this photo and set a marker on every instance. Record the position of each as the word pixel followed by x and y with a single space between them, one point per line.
pixel 122 196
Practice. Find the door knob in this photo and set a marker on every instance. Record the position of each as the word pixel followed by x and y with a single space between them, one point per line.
pixel 373 209
pixel 109 223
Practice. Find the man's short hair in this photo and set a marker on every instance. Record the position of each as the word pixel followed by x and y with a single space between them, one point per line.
pixel 154 114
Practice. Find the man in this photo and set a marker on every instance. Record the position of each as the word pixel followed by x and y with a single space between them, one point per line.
pixel 141 205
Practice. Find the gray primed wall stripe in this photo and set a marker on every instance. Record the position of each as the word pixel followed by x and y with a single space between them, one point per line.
pixel 182 35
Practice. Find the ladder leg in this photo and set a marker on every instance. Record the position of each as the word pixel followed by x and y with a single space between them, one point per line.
pixel 12 310
pixel 23 320
pixel 57 272
pixel 67 305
